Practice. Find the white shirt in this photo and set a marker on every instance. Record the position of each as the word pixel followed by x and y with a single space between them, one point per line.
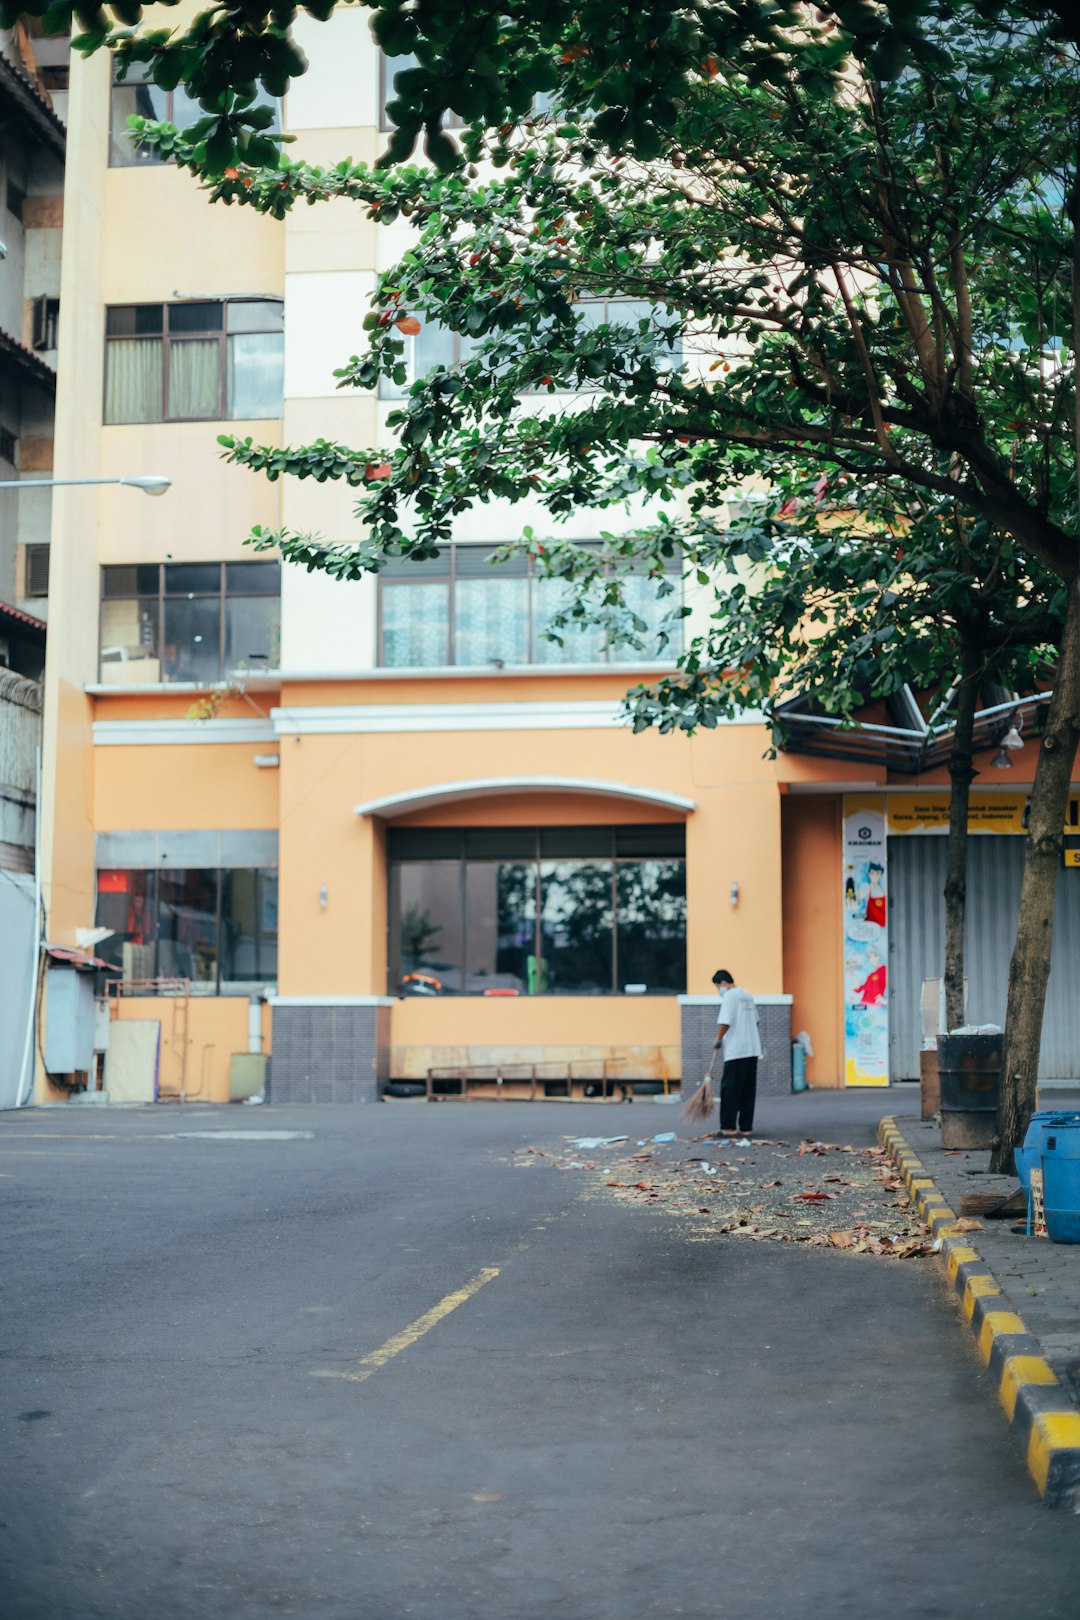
pixel 737 1011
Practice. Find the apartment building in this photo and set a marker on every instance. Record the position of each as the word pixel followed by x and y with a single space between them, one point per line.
pixel 385 829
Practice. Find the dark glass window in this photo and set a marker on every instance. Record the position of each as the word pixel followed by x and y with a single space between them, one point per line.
pixel 535 911
pixel 217 929
pixel 200 361
pixel 189 621
pixel 136 96
pixel 464 608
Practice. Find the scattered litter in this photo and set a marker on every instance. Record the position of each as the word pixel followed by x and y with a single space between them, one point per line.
pixel 589 1142
pixel 665 1136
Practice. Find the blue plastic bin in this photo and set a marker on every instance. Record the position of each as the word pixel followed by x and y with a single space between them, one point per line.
pixel 1039 1126
pixel 1061 1182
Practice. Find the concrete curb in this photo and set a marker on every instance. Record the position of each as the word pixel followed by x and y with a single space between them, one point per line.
pixel 1040 1413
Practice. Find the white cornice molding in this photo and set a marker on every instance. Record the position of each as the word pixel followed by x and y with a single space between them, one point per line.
pixel 547 715
pixel 402 804
pixel 141 733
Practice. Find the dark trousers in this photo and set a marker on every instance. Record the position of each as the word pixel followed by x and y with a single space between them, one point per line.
pixel 738 1089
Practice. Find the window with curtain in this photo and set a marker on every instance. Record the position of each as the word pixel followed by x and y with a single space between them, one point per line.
pixel 136 96
pixel 537 910
pixel 464 608
pixel 207 360
pixel 197 622
pixel 218 928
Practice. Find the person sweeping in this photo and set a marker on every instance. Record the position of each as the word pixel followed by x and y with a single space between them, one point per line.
pixel 738 1038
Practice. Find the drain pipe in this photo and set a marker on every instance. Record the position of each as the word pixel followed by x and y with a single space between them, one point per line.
pixel 255 1040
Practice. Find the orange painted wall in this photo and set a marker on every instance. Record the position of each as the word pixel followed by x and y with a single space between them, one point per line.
pixel 216 1028
pixel 811 827
pixel 191 785
pixel 425 1032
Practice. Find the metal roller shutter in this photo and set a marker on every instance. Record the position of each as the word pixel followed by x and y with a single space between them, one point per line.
pixel 916 946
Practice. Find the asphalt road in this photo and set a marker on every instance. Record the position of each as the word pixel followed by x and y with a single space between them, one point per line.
pixel 620 1424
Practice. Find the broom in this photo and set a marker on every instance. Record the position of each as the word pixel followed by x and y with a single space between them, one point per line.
pixel 700 1105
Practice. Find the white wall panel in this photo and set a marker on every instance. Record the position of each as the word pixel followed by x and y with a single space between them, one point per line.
pixel 341 87
pixel 326 624
pixel 324 325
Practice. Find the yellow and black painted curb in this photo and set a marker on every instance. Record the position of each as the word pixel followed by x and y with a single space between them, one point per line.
pixel 1040 1412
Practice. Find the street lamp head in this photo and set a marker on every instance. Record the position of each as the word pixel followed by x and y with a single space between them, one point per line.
pixel 149 483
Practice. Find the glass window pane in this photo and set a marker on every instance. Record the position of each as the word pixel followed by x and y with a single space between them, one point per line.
pixel 131 100
pixel 187 928
pixel 423 843
pixel 129 633
pixel 642 596
pixel 125 903
pixel 652 838
pixel 415 626
pixel 253 579
pixel 651 925
pixel 425 929
pixel 576 927
pixel 433 346
pixel 205 317
pixel 194 379
pixel 254 375
pixel 500 843
pixel 133 377
pixel 252 632
pixel 249 927
pixel 500 927
pixel 582 642
pixel 563 843
pixel 192 579
pixel 139 580
pixel 191 649
pixel 255 315
pixel 491 621
pixel 184 109
pixel 133 320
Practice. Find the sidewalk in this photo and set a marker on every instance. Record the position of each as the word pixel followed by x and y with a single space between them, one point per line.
pixel 1040 1280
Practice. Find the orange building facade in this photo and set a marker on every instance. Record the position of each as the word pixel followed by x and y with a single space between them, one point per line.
pixel 374 831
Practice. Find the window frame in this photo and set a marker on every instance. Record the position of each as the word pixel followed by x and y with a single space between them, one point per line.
pixel 167 338
pixel 223 595
pixel 532 578
pixel 139 75
pixel 538 860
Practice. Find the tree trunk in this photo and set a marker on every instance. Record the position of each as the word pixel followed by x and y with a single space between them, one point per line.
pixel 1029 969
pixel 961 772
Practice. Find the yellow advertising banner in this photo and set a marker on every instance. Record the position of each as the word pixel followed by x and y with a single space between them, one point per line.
pixel 987 813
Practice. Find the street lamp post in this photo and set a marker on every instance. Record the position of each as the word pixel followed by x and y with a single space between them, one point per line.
pixel 149 483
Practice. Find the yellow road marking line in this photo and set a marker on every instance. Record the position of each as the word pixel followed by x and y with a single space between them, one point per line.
pixel 416 1330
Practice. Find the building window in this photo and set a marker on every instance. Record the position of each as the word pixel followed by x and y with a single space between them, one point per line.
pixel 525 911
pixel 137 96
pixel 36 564
pixel 8 446
pixel 218 360
pixel 198 622
pixel 217 929
pixel 435 344
pixel 461 608
pixel 45 320
pixel 16 196
pixel 389 68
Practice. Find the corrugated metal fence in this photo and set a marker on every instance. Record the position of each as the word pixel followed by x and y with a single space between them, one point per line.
pixel 916 946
